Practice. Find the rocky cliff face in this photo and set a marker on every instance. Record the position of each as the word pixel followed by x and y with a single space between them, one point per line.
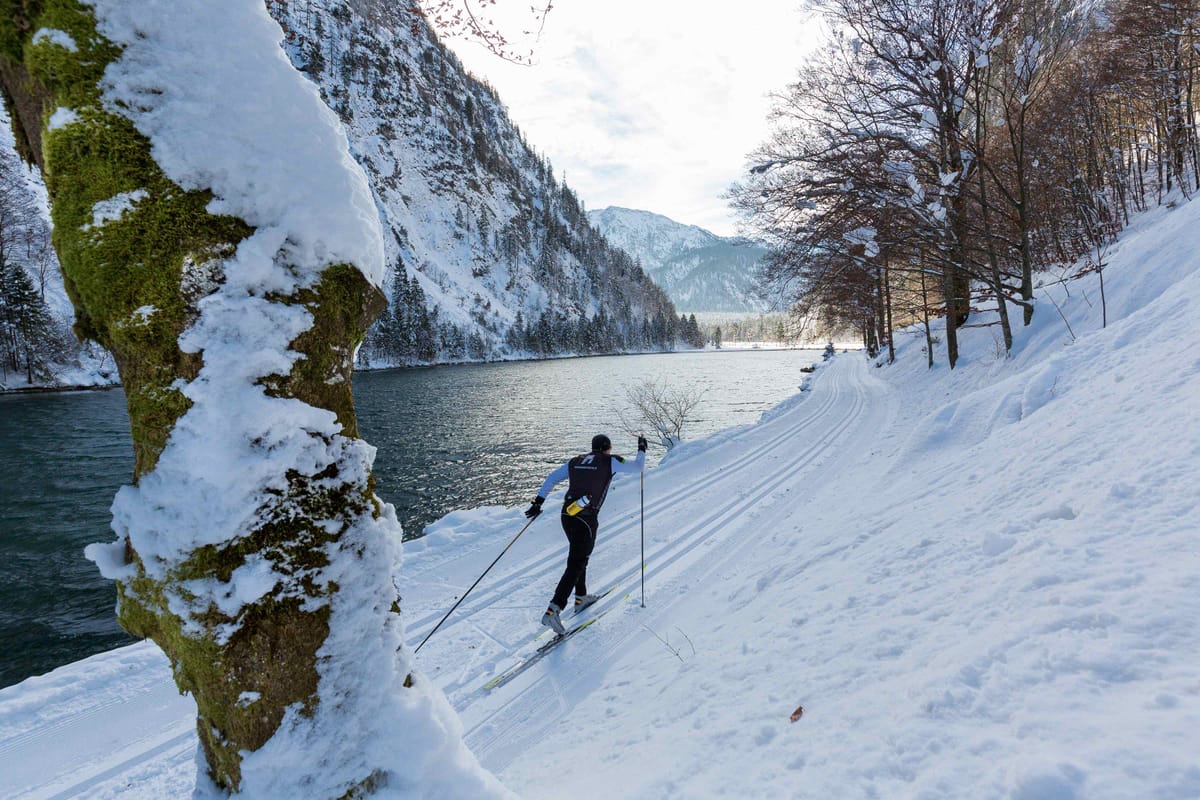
pixel 490 256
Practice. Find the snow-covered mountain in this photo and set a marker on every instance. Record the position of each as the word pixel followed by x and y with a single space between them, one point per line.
pixel 700 270
pixel 489 254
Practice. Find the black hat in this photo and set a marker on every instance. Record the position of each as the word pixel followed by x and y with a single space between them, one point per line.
pixel 600 442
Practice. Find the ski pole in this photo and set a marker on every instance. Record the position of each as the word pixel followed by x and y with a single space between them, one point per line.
pixel 473 585
pixel 643 536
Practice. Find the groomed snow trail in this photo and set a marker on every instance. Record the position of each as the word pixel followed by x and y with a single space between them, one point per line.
pixel 717 510
pixel 723 492
pixel 92 728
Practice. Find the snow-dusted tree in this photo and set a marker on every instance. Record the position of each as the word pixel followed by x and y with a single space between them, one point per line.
pixel 29 335
pixel 26 326
pixel 878 121
pixel 918 60
pixel 216 236
pixel 1035 37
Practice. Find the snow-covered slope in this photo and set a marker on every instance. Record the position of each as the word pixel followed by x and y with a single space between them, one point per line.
pixel 976 583
pixel 477 228
pixel 700 271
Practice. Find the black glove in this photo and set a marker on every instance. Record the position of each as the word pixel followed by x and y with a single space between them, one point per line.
pixel 535 508
pixel 642 443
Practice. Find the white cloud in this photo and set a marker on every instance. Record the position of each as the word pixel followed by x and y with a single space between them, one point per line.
pixel 650 105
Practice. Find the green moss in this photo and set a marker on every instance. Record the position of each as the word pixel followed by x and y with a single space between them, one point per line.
pixel 343 306
pixel 74 76
pixel 16 26
pixel 134 262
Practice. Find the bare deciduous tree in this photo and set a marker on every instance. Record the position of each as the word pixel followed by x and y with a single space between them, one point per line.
pixel 654 405
pixel 966 146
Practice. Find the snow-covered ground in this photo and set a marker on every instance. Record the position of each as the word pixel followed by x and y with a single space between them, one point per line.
pixel 980 583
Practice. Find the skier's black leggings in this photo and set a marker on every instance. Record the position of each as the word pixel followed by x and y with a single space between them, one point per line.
pixel 581 533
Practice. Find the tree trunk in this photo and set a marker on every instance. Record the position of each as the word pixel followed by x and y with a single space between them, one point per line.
pixel 251 549
pixel 888 324
pixel 948 295
pixel 988 240
pixel 925 320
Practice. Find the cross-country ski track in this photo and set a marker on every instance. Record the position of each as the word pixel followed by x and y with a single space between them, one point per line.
pixel 698 530
pixel 723 497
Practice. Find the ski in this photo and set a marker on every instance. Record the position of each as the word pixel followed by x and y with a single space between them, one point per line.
pixel 603 595
pixel 599 597
pixel 515 670
pixel 539 654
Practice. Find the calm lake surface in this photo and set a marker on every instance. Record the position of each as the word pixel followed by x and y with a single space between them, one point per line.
pixel 448 437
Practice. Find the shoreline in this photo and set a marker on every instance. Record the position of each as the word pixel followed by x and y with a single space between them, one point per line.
pixel 99 387
pixel 763 347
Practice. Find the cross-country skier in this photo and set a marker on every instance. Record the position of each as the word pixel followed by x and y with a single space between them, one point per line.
pixel 589 475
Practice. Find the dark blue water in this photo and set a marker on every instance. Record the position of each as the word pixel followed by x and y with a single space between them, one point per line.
pixel 447 437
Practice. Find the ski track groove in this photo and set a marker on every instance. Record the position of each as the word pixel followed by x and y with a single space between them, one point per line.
pixel 662 557
pixel 519 726
pixel 684 544
pixel 541 712
pixel 67 721
pixel 549 564
pixel 185 740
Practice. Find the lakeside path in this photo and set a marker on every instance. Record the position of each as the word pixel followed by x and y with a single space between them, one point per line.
pixel 114 725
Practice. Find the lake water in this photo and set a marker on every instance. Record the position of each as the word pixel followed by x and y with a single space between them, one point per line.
pixel 447 437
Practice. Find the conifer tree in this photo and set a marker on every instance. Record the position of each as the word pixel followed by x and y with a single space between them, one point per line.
pixel 26 327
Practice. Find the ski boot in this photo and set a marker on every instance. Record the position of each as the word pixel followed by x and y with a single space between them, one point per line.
pixel 582 601
pixel 550 619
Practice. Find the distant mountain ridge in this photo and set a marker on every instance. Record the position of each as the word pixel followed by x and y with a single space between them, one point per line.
pixel 699 270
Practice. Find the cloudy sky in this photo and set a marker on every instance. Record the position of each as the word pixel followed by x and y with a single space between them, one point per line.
pixel 649 104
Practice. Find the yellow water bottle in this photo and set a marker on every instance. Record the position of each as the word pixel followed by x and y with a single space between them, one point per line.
pixel 577 506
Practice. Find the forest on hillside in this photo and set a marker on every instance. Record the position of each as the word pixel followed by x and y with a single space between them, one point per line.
pixel 938 156
pixel 35 342
pixel 489 254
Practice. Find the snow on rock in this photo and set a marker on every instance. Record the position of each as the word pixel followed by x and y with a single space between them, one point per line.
pixel 254 131
pixel 247 584
pixel 112 209
pixel 62 117
pixel 56 37
pixel 109 558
